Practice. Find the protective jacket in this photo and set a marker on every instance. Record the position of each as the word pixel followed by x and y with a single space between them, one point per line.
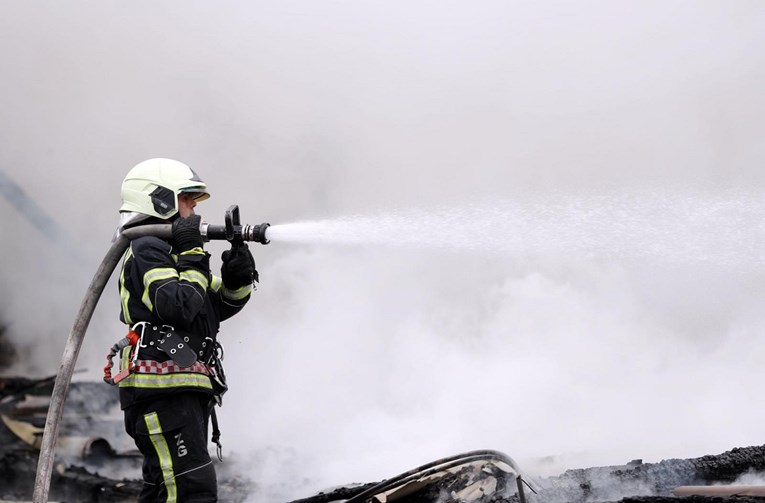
pixel 174 293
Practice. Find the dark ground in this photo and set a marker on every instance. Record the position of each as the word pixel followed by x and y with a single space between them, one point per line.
pixel 635 482
pixel 93 476
pixel 93 470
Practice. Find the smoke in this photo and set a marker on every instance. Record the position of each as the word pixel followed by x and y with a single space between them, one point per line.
pixel 353 363
pixel 751 478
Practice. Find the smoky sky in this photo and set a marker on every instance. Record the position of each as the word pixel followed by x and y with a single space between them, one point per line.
pixel 353 363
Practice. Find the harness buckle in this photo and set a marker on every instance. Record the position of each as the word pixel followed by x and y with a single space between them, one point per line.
pixel 139 344
pixel 131 339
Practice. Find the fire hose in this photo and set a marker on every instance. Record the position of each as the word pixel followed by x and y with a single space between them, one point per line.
pixel 395 488
pixel 232 231
pixel 441 465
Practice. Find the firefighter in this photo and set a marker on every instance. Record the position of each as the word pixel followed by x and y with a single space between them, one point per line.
pixel 171 372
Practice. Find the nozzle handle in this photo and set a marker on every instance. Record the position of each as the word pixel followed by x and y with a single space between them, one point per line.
pixel 231 220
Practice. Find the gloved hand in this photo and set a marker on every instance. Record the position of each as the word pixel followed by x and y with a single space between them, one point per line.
pixel 186 234
pixel 238 267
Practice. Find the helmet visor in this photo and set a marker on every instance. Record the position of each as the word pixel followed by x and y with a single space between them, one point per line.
pixel 195 193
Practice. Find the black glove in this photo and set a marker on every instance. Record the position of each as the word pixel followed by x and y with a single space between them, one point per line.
pixel 186 234
pixel 238 267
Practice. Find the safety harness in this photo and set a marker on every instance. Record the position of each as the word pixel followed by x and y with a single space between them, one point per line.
pixel 183 359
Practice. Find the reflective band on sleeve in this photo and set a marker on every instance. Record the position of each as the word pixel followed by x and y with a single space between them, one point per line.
pixel 124 292
pixel 163 454
pixel 158 274
pixel 154 381
pixel 237 294
pixel 194 276
pixel 215 283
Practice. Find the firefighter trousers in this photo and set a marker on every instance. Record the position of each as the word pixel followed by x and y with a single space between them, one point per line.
pixel 171 433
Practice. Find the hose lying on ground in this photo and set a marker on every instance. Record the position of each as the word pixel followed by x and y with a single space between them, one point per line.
pixel 365 492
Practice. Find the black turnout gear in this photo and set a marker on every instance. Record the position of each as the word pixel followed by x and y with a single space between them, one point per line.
pixel 162 287
pixel 170 299
pixel 171 433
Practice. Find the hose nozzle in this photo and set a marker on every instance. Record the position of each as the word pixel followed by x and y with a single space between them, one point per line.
pixel 233 231
pixel 255 233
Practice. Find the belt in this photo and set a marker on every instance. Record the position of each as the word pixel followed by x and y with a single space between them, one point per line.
pixel 168 367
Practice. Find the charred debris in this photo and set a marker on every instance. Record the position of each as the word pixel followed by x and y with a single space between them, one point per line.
pixel 95 460
pixel 96 463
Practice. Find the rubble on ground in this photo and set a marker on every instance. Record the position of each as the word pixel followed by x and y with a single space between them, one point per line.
pixel 93 466
pixel 97 462
pixel 634 482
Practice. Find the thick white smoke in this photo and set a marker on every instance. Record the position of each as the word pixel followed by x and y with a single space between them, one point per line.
pixel 356 362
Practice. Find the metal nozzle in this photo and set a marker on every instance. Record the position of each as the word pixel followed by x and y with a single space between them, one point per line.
pixel 234 231
pixel 256 233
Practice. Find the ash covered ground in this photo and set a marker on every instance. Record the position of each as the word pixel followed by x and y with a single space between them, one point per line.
pixel 630 483
pixel 94 465
pixel 96 462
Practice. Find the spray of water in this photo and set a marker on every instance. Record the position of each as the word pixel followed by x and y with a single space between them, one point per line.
pixel 558 328
pixel 724 229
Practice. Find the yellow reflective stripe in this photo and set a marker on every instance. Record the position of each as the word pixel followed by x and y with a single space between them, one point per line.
pixel 124 292
pixel 237 294
pixel 153 381
pixel 194 251
pixel 158 274
pixel 216 283
pixel 163 453
pixel 125 357
pixel 194 276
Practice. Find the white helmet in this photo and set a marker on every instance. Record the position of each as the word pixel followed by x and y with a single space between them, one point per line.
pixel 151 189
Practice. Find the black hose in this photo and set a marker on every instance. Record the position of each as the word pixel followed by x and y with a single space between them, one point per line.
pixel 435 467
pixel 72 350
